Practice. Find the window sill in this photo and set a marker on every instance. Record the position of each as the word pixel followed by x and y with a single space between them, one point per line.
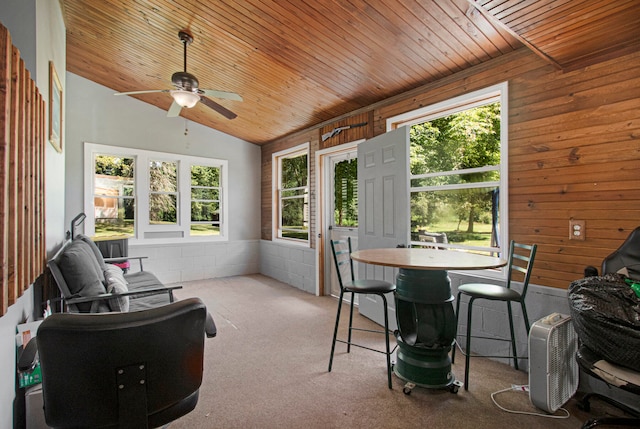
pixel 182 240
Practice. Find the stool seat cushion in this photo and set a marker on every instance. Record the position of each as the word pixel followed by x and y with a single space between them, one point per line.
pixel 369 286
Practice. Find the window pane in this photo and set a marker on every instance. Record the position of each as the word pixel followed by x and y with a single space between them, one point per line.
pixel 294 172
pixel 346 193
pixel 205 194
pixel 466 216
pixel 163 187
pixel 459 146
pixel 286 193
pixel 116 166
pixel 293 217
pixel 297 235
pixel 163 209
pixel 205 176
pixel 163 176
pixel 114 205
pixel 114 216
pixel 205 211
pixel 205 200
pixel 113 176
pixel 467 139
pixel 205 229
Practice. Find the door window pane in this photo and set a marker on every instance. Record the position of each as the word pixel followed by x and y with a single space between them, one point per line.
pixel 345 193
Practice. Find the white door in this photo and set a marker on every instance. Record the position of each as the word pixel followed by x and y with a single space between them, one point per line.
pixel 383 213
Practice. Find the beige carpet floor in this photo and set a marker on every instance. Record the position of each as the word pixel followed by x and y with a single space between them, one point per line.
pixel 267 368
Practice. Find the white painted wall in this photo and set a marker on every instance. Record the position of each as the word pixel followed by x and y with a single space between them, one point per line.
pixel 38 31
pixel 51 46
pixel 19 16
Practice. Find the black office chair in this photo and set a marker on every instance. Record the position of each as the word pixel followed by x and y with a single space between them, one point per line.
pixel 122 370
pixel 615 376
pixel 341 250
pixel 521 257
pixel 605 314
pixel 625 259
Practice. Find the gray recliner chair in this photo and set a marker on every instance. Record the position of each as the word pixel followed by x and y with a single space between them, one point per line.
pixel 122 370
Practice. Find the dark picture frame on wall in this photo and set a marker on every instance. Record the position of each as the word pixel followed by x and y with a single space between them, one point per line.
pixel 55 108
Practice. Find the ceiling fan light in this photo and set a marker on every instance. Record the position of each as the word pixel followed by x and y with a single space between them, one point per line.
pixel 185 98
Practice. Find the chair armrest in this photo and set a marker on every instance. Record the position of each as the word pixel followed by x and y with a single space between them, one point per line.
pixel 28 358
pixel 126 258
pixel 210 326
pixel 132 293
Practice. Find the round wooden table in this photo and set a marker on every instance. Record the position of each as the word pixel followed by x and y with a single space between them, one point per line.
pixel 427 323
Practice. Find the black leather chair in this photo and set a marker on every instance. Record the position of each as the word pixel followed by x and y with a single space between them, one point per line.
pixel 626 261
pixel 341 250
pixel 122 370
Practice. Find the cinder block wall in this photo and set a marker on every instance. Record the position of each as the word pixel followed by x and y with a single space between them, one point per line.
pixel 295 266
pixel 174 263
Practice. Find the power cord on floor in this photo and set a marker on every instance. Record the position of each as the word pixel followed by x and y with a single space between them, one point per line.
pixel 525 388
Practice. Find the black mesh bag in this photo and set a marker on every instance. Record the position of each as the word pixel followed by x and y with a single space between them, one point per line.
pixel 606 316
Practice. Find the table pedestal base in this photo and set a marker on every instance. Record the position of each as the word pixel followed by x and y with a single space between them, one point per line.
pixel 426 329
pixel 430 368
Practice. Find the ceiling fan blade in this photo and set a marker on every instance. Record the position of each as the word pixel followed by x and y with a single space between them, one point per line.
pixel 221 94
pixel 146 91
pixel 218 108
pixel 174 110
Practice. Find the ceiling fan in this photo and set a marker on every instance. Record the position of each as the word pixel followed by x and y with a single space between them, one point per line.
pixel 186 92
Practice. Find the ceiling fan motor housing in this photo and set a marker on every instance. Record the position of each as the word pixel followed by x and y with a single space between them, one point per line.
pixel 184 80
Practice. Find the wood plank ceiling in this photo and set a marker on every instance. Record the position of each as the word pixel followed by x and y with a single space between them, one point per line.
pixel 302 63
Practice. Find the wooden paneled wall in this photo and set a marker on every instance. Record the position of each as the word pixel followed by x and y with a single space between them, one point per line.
pixel 350 134
pixel 22 131
pixel 574 153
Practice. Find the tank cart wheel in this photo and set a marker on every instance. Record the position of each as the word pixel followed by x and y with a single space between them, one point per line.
pixel 408 388
pixel 455 386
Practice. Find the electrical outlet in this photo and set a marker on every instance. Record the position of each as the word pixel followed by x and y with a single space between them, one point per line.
pixel 577 229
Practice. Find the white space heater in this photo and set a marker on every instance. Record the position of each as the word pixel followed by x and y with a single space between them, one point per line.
pixel 553 369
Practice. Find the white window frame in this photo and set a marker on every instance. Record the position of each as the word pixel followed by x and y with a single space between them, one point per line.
pixel 144 230
pixel 481 97
pixel 220 188
pixel 276 180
